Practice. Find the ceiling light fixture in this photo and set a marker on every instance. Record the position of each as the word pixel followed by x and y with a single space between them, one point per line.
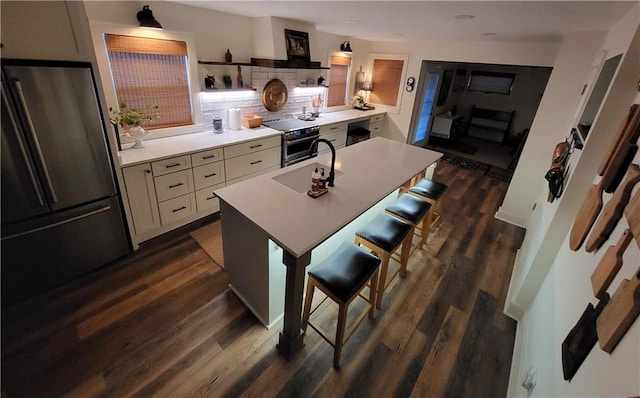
pixel 346 47
pixel 464 16
pixel 146 19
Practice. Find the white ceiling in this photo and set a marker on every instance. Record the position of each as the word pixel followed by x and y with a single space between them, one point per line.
pixel 519 21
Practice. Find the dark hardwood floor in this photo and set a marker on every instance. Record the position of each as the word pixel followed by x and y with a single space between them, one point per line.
pixel 163 323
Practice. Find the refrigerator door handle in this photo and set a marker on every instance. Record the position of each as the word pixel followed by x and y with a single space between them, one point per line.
pixel 32 131
pixel 23 152
pixel 68 220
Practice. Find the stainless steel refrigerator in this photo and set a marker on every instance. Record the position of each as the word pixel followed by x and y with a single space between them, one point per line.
pixel 61 209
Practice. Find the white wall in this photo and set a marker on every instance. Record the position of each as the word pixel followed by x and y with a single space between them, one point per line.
pixel 551 284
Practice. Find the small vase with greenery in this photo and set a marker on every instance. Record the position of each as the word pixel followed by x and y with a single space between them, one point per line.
pixel 132 119
pixel 227 81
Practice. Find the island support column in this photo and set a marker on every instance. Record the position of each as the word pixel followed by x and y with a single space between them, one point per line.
pixel 291 336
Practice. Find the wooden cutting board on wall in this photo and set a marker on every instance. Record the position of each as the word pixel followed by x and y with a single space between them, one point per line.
pixel 619 313
pixel 632 214
pixel 609 264
pixel 613 161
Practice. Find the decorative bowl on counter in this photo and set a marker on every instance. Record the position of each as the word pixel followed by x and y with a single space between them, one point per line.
pixel 251 121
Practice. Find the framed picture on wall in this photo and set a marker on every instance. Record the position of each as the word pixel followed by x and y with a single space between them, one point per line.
pixel 297 45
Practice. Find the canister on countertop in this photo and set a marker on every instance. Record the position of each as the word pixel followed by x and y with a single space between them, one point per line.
pixel 217 124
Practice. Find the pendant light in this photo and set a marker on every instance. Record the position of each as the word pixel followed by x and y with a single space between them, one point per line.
pixel 146 19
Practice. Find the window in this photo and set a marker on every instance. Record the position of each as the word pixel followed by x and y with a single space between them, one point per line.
pixel 385 80
pixel 148 72
pixel 491 82
pixel 338 81
pixel 388 72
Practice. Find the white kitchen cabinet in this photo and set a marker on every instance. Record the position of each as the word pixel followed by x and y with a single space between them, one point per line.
pixel 335 133
pixel 244 148
pixel 174 184
pixel 376 124
pixel 252 162
pixel 176 209
pixel 207 200
pixel 208 175
pixel 141 193
pixel 49 30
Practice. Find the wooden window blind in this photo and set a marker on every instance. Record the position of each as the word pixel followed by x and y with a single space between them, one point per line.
pixel 338 75
pixel 149 72
pixel 385 81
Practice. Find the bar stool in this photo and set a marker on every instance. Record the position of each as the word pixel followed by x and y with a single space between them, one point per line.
pixel 383 236
pixel 413 211
pixel 342 277
pixel 430 191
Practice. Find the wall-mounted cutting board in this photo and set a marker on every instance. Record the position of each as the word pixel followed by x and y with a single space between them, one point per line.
pixel 592 203
pixel 632 213
pixel 612 212
pixel 618 315
pixel 609 264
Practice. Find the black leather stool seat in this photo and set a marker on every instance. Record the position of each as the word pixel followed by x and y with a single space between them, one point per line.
pixel 429 188
pixel 409 208
pixel 385 231
pixel 346 271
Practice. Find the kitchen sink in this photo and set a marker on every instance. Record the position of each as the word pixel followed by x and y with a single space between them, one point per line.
pixel 299 179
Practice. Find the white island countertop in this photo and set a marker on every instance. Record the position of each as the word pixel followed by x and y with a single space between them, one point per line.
pixel 371 170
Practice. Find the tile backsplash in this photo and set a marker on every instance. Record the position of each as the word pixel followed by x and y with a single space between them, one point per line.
pixel 214 103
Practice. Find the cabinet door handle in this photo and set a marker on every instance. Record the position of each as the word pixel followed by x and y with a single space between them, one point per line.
pixel 212 197
pixel 255 146
pixel 172 165
pixel 333 128
pixel 256 162
pixel 178 209
pixel 176 185
pixel 210 175
pixel 147 171
pixel 208 157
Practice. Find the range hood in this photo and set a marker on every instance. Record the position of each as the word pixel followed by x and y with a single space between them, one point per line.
pixel 283 63
pixel 269 43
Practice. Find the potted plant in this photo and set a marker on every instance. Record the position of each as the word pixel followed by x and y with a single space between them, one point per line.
pixel 227 81
pixel 132 119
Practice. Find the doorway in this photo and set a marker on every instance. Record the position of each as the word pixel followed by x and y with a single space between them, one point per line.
pixel 448 93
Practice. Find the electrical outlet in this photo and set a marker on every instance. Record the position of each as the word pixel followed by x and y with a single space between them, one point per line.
pixel 529 380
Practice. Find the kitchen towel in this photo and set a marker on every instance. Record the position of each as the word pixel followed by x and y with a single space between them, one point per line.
pixel 233 119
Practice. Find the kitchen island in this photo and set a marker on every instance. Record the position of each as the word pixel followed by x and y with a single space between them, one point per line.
pixel 270 226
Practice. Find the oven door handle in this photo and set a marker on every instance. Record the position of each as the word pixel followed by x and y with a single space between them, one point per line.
pixel 288 143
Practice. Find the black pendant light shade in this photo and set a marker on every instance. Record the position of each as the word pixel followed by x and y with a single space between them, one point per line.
pixel 146 19
pixel 346 47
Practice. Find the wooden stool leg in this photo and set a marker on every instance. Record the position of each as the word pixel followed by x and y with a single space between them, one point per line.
pixel 383 278
pixel 307 303
pixel 404 254
pixel 342 322
pixel 373 290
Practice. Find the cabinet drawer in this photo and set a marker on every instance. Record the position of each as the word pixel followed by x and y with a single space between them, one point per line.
pixel 208 175
pixel 175 184
pixel 178 208
pixel 232 151
pixel 248 176
pixel 338 139
pixel 376 129
pixel 205 157
pixel 251 163
pixel 376 119
pixel 334 128
pixel 208 201
pixel 170 165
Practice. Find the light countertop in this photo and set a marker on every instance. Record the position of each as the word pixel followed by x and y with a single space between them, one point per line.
pixel 371 170
pixel 162 148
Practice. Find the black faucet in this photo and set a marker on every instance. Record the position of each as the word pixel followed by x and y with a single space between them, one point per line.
pixel 332 173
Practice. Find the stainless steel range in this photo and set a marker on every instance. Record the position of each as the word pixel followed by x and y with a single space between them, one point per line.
pixel 297 136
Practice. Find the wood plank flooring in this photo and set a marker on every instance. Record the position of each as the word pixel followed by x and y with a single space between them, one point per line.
pixel 163 323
